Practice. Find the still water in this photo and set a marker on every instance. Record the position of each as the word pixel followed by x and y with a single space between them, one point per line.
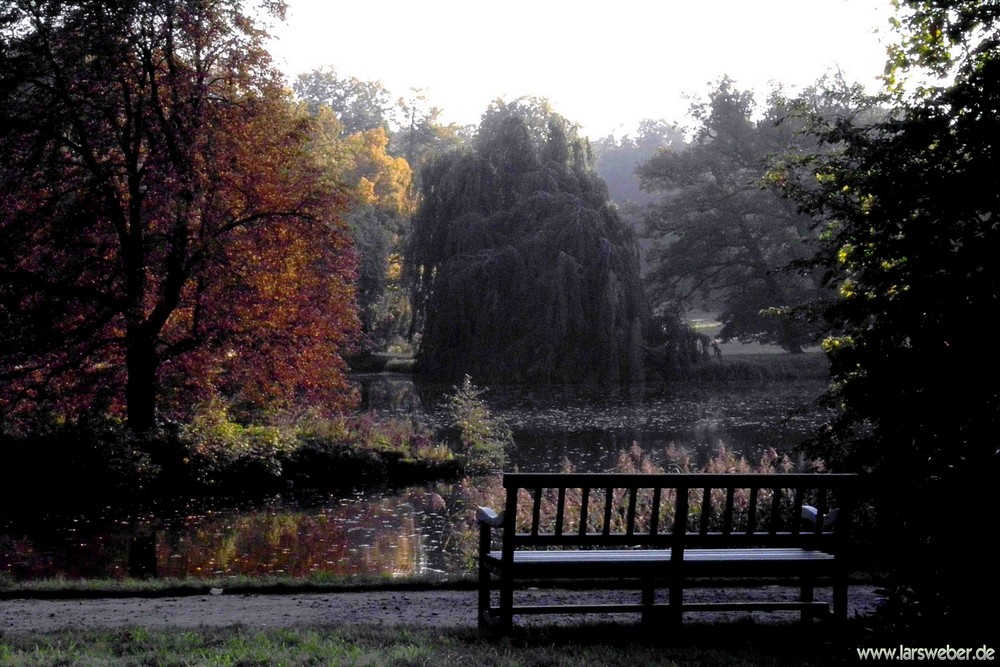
pixel 423 530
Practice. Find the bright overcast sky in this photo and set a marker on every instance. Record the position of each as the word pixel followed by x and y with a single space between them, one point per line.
pixel 605 65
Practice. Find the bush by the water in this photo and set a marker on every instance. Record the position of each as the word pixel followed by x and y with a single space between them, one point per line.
pixel 100 461
pixel 484 438
pixel 94 460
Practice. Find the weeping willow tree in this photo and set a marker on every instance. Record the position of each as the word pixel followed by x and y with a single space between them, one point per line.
pixel 520 268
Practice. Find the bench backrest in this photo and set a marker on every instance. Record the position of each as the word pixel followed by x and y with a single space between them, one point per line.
pixel 695 510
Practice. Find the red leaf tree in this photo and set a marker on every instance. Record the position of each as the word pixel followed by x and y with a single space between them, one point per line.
pixel 169 228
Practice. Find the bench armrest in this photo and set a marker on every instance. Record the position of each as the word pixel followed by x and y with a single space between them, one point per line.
pixel 485 515
pixel 810 514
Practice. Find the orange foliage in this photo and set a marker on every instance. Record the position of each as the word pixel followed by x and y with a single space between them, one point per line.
pixel 172 224
pixel 278 304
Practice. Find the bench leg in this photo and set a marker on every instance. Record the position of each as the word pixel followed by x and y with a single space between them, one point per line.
pixel 676 615
pixel 506 604
pixel 807 596
pixel 484 597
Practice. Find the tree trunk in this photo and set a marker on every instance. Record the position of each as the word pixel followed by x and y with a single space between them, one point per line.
pixel 140 388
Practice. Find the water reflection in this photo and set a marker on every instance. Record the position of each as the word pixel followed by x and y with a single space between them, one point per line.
pixel 421 530
pixel 402 534
pixel 374 535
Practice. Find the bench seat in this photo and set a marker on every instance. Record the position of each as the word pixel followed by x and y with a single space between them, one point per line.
pixel 643 562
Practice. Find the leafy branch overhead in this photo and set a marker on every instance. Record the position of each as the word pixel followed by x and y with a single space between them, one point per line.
pixel 909 210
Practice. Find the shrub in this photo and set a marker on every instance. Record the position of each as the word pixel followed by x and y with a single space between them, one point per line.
pixel 222 452
pixel 484 438
pixel 366 449
pixel 93 461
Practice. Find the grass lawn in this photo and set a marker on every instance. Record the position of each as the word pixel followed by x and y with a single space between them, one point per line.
pixel 368 645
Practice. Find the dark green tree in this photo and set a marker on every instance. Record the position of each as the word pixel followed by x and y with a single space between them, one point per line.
pixel 910 207
pixel 721 238
pixel 520 268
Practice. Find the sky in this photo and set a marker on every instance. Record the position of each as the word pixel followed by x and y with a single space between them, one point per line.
pixel 604 65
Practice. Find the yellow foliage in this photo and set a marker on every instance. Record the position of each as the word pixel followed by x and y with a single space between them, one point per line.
pixel 375 177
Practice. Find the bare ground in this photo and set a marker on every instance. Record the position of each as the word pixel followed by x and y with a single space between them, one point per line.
pixel 435 608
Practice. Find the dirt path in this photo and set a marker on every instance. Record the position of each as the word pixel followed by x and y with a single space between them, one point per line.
pixel 440 608
pixel 255 611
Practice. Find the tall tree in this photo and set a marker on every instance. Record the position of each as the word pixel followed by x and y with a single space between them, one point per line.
pixel 168 226
pixel 421 134
pixel 359 105
pixel 380 206
pixel 521 269
pixel 720 237
pixel 911 207
pixel 380 149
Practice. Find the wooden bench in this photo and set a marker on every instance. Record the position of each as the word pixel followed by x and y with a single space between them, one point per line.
pixel 746 529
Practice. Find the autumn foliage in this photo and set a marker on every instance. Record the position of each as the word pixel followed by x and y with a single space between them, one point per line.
pixel 171 231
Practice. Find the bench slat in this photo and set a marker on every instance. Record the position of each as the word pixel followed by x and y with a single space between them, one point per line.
pixel 664 555
pixel 536 509
pixel 819 607
pixel 654 520
pixel 665 540
pixel 584 608
pixel 821 511
pixel 762 605
pixel 775 511
pixel 752 511
pixel 706 509
pixel 609 496
pixel 661 566
pixel 727 517
pixel 797 510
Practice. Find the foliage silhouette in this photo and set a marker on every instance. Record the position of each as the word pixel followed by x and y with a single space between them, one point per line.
pixel 910 206
pixel 484 437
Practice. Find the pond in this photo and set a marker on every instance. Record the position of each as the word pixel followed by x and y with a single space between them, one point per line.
pixel 426 530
